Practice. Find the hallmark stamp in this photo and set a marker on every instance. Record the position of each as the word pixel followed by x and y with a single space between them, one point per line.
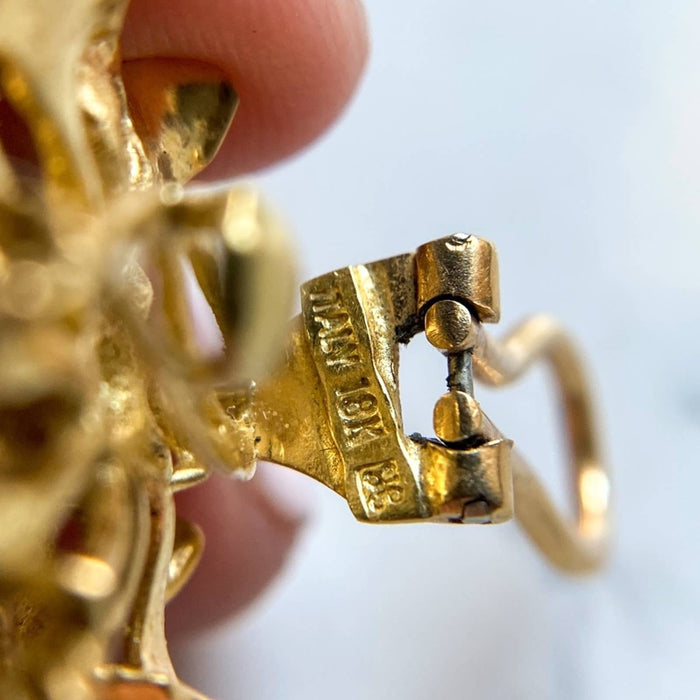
pixel 380 486
pixel 336 336
pixel 352 394
pixel 358 411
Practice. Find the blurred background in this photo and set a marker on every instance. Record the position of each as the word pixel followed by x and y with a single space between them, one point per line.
pixel 569 135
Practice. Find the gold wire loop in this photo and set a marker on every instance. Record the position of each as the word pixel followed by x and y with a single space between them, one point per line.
pixel 579 546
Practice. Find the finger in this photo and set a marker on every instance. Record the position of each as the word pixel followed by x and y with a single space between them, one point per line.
pixel 249 528
pixel 293 63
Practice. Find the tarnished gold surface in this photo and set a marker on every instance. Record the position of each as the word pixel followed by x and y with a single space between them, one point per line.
pixel 113 395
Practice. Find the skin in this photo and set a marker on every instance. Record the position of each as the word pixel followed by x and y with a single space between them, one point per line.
pixel 294 64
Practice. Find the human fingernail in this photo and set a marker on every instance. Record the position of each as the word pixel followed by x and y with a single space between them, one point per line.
pixel 182 111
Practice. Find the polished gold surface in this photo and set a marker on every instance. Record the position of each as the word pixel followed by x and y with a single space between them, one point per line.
pixel 448 326
pixel 333 410
pixel 457 417
pixel 114 396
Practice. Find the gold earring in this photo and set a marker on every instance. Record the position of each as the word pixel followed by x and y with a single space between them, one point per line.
pixel 109 402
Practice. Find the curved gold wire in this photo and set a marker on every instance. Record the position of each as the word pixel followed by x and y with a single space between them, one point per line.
pixel 579 546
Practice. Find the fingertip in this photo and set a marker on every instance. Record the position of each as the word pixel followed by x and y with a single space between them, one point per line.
pixel 293 63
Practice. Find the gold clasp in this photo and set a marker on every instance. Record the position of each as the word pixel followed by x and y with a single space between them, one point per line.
pixel 332 410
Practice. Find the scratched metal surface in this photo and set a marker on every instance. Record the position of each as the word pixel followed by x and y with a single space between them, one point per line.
pixel 569 129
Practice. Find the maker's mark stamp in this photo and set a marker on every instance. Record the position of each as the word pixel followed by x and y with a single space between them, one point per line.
pixel 380 486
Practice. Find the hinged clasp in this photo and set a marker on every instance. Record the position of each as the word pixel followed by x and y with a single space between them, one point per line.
pixel 332 410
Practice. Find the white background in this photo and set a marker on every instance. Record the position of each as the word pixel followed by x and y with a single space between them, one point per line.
pixel 569 134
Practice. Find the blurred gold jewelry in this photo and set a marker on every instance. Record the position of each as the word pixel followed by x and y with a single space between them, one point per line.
pixel 111 401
